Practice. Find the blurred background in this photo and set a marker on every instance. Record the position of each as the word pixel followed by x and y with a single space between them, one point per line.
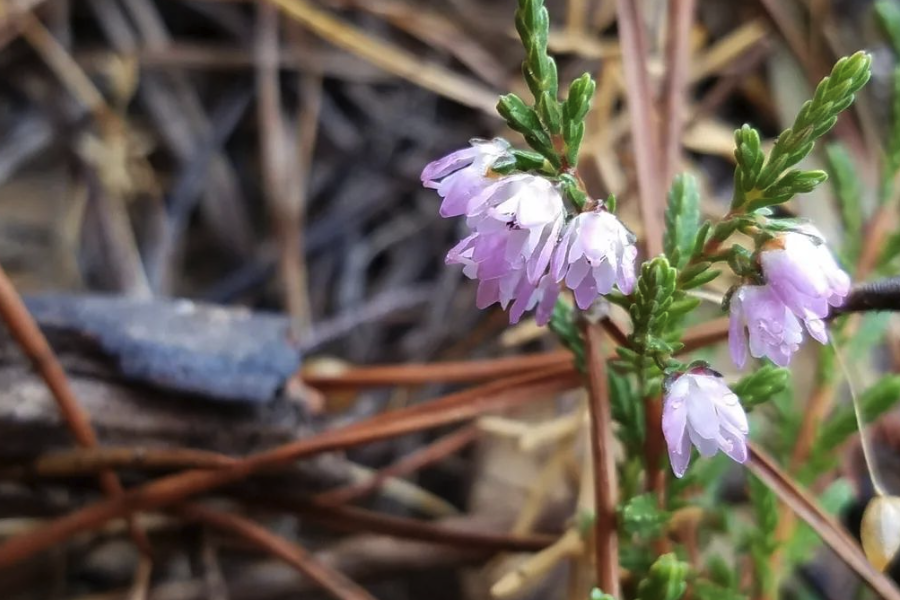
pixel 266 155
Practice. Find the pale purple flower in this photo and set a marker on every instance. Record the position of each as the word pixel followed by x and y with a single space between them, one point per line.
pixel 804 275
pixel 699 409
pixel 526 213
pixel 515 222
pixel 596 252
pixel 758 316
pixel 461 175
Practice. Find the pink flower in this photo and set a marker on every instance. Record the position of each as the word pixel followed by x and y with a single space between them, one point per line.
pixel 515 222
pixel 596 252
pixel 459 176
pixel 805 277
pixel 699 409
pixel 759 316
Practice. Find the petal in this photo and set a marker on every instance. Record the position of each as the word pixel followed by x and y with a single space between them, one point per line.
pixel 604 276
pixel 448 164
pixel 488 293
pixel 816 329
pixel 733 444
pixel 559 261
pixel 674 420
pixel 547 301
pixel 701 413
pixel 585 294
pixel 680 455
pixel 732 412
pixel 542 261
pixel 578 270
pixel 737 334
pixel 706 447
pixel 626 275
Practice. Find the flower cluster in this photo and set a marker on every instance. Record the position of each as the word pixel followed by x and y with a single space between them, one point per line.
pixel 523 243
pixel 802 282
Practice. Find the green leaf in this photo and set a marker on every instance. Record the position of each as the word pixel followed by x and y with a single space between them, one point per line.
pixel 761 385
pixel 627 410
pixel 524 119
pixel 596 594
pixel 573 191
pixel 700 279
pixel 749 157
pixel 874 402
pixel 720 572
pixel 793 183
pixel 763 541
pixel 682 219
pixel 506 164
pixel 888 13
pixel 539 69
pixel 890 251
pixel 848 191
pixel 892 157
pixel 528 161
pixel 707 590
pixel 817 116
pixel 666 579
pixel 574 110
pixel 641 516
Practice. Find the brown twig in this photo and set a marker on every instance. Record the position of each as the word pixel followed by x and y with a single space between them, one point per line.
pixel 389 57
pixel 347 518
pixel 332 582
pixel 606 485
pixel 835 536
pixel 441 448
pixel 465 371
pixel 468 371
pixel 33 343
pixel 675 84
pixel 87 461
pixel 643 124
pixel 163 492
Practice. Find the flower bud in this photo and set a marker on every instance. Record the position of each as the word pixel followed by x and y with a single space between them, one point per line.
pixel 880 530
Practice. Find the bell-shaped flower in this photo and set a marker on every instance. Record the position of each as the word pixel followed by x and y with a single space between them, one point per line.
pixel 523 216
pixel 700 410
pixel 596 252
pixel 461 175
pixel 759 316
pixel 804 275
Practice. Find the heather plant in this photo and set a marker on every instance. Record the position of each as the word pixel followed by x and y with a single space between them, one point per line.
pixel 538 241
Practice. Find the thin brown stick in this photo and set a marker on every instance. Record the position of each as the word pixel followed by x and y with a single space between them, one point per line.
pixel 332 582
pixel 443 447
pixel 35 346
pixel 389 57
pixel 468 371
pixel 606 484
pixel 464 371
pixel 347 518
pixel 643 124
pixel 87 461
pixel 835 536
pixel 675 84
pixel 163 492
